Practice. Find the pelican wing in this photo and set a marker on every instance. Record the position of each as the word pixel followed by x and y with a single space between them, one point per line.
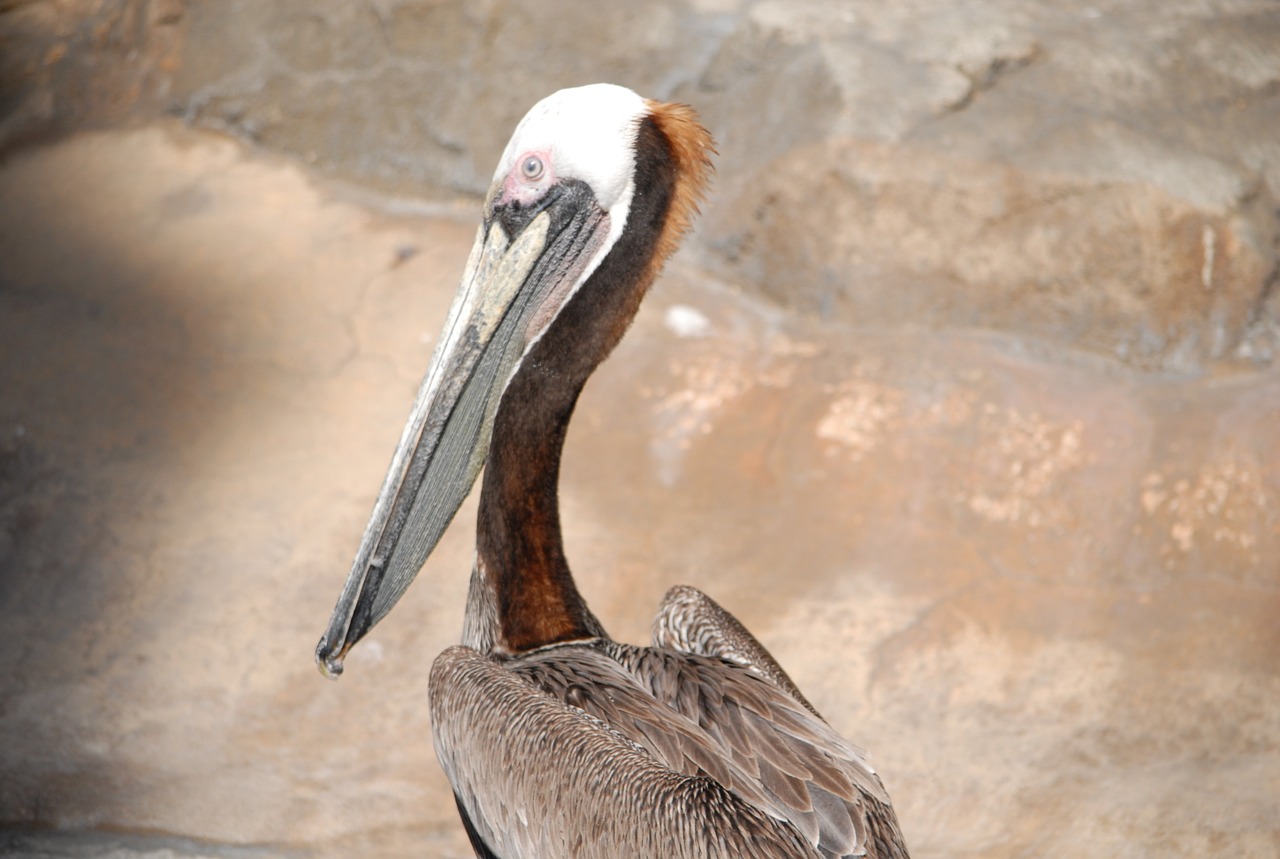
pixel 536 777
pixel 692 622
pixel 704 716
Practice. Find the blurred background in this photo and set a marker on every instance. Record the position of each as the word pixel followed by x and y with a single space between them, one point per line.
pixel 963 396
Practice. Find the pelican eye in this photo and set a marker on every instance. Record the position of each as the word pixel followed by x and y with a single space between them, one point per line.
pixel 531 168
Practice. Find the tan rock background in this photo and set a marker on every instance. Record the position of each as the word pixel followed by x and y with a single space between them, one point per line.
pixel 963 396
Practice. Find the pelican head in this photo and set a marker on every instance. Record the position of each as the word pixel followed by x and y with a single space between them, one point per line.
pixel 583 170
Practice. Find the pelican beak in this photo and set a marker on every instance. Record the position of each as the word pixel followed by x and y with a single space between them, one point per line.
pixel 525 263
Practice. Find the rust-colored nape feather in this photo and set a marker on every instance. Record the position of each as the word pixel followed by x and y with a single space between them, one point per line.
pixel 692 148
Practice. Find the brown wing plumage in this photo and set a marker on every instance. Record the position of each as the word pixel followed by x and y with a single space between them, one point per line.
pixel 811 776
pixel 581 737
pixel 691 622
pixel 704 716
pixel 538 778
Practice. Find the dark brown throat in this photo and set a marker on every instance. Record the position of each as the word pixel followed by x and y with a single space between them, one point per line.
pixel 519 539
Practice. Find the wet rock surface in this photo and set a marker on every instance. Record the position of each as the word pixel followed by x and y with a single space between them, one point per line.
pixel 963 399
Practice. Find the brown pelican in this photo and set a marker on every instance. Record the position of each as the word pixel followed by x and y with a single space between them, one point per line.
pixel 559 741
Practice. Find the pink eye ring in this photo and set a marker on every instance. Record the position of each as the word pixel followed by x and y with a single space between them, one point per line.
pixel 532 168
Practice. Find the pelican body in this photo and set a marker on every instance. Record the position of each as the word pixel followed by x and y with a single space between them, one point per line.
pixel 558 741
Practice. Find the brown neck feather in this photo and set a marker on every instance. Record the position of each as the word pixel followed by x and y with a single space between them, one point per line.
pixel 519 539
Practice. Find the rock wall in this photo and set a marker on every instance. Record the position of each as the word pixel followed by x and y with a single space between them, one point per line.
pixel 68 64
pixel 1101 177
pixel 964 397
pixel 1104 177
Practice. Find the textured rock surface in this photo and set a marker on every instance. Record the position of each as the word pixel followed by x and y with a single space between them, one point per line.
pixel 418 95
pixel 66 64
pixel 1002 495
pixel 1104 177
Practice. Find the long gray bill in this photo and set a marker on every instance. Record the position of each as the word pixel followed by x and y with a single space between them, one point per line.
pixel 508 285
pixel 442 447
